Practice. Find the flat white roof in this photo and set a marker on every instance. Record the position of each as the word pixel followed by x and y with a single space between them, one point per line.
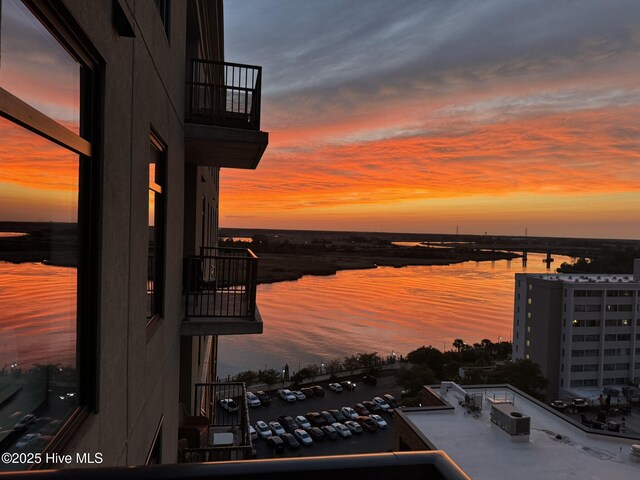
pixel 484 451
pixel 587 278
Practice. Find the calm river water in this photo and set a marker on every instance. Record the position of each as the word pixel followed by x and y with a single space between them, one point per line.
pixel 317 319
pixel 311 320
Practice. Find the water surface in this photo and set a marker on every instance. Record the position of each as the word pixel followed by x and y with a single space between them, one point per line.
pixel 317 319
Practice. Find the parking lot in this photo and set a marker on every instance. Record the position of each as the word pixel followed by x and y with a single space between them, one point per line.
pixel 379 441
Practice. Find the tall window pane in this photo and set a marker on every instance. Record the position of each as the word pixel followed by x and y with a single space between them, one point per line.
pixel 38 285
pixel 156 229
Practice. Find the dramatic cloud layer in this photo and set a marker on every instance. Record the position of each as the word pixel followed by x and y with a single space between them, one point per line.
pixel 424 116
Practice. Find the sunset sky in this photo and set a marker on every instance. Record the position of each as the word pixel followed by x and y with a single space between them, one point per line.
pixel 424 116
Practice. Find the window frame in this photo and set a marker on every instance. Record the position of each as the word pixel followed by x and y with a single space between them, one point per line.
pixel 88 145
pixel 157 312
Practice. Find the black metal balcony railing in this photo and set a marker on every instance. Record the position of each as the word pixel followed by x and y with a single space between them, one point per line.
pixel 229 437
pixel 224 94
pixel 221 282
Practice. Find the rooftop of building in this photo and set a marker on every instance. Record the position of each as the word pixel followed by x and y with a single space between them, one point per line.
pixel 556 448
pixel 585 278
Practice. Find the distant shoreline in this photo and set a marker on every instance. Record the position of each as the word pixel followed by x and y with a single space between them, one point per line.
pixel 274 268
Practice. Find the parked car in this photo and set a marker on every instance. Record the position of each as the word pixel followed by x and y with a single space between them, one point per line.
pixel 379 420
pixel 372 407
pixel 349 413
pixel 336 387
pixel 353 426
pixel 315 419
pixel 25 422
pixel 303 422
pixel 382 404
pixel 290 441
pixel 348 385
pixel 342 430
pixel 316 434
pixel 263 429
pixel 276 444
pixel 287 395
pixel 288 423
pixel 367 424
pixel 330 432
pixel 328 417
pixel 303 437
pixel 299 395
pixel 558 405
pixel 229 405
pixel 308 392
pixel 370 380
pixel 337 414
pixel 361 410
pixel 264 397
pixel 318 391
pixel 579 404
pixel 391 400
pixel 253 400
pixel 253 433
pixel 276 428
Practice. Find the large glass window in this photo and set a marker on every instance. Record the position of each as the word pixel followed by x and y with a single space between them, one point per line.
pixel 156 228
pixel 45 229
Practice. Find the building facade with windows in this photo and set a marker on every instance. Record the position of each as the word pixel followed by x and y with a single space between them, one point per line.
pixel 583 330
pixel 115 119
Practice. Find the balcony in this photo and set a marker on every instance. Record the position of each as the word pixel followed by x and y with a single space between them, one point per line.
pixel 222 115
pixel 219 288
pixel 228 433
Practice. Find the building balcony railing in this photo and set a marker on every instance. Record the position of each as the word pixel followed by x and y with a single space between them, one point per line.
pixel 224 94
pixel 225 407
pixel 220 289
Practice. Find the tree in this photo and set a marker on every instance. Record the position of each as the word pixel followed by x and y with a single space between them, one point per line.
pixel 351 363
pixel 369 360
pixel 458 343
pixel 269 376
pixel 522 374
pixel 248 377
pixel 429 356
pixel 333 366
pixel 413 378
pixel 486 344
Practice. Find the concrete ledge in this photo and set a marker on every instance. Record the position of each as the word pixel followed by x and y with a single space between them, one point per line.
pixel 222 326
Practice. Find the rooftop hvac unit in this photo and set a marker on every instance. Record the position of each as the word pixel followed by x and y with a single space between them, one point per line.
pixel 510 420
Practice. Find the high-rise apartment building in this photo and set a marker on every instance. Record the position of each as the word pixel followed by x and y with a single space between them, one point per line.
pixel 583 330
pixel 117 117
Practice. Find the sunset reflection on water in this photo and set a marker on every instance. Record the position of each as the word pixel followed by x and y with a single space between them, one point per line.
pixel 37 315
pixel 317 319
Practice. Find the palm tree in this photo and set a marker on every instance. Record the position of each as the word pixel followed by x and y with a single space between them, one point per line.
pixel 458 343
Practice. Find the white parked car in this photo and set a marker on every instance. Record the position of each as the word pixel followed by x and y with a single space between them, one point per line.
pixel 341 429
pixel 303 437
pixel 382 404
pixel 379 420
pixel 349 412
pixel 263 429
pixel 253 433
pixel 287 395
pixel 276 428
pixel 353 426
pixel 299 395
pixel 253 400
pixel 302 422
pixel 229 405
pixel 336 387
